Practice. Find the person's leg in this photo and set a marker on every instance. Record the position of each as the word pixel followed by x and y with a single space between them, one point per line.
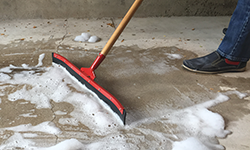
pixel 234 50
pixel 236 44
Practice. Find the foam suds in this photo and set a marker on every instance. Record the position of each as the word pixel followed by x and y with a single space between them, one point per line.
pixel 86 37
pixel 71 144
pixel 40 60
pixel 93 39
pixel 190 144
pixel 46 127
pixel 28 115
pixel 17 141
pixel 190 128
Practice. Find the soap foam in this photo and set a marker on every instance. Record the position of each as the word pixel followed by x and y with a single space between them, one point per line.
pixel 86 37
pixel 40 60
pixel 190 144
pixel 46 127
pixel 195 127
pixel 71 144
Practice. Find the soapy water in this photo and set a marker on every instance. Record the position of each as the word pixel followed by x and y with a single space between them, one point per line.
pixel 97 126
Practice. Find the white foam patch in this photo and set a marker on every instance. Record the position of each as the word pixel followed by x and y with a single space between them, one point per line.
pixel 60 112
pixel 79 38
pixel 202 125
pixel 190 144
pixel 6 69
pixel 93 39
pixel 15 141
pixel 239 94
pixel 201 120
pixel 224 88
pixel 29 135
pixel 108 143
pixel 4 77
pixel 25 66
pixel 28 115
pixel 86 37
pixel 71 144
pixel 46 127
pixel 219 99
pixel 40 60
pixel 230 91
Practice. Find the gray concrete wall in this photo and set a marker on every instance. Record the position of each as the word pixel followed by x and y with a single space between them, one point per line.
pixel 47 9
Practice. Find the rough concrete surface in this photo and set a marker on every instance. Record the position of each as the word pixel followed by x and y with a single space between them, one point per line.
pixel 127 71
pixel 41 9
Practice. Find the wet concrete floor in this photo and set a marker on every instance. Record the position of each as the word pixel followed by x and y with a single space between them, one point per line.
pixel 142 79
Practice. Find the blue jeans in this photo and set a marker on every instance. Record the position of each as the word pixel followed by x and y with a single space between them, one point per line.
pixel 236 44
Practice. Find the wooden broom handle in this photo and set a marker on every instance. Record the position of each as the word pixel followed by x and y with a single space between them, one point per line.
pixel 121 27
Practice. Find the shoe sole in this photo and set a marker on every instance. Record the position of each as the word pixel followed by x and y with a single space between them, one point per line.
pixel 207 72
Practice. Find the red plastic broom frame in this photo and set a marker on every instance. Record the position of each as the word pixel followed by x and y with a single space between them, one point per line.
pixel 89 81
pixel 87 75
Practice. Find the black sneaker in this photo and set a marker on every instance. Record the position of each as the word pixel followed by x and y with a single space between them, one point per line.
pixel 213 63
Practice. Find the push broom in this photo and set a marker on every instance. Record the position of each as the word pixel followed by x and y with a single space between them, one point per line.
pixel 87 75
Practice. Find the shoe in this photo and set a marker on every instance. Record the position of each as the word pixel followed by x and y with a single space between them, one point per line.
pixel 213 63
pixel 224 31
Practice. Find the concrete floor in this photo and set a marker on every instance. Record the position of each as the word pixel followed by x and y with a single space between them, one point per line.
pixel 22 41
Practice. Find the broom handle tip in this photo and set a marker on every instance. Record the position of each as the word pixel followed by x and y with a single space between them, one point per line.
pixel 121 27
